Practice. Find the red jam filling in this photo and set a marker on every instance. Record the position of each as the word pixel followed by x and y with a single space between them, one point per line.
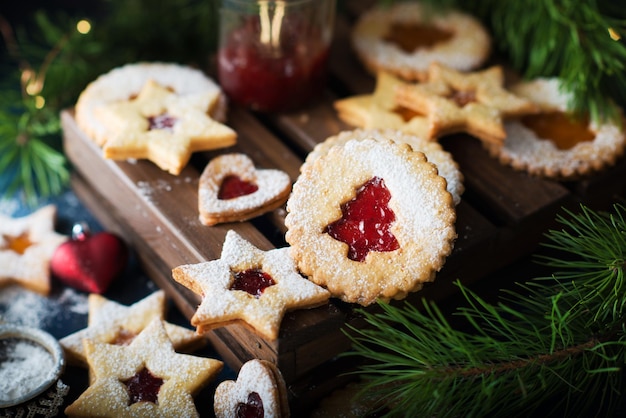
pixel 272 77
pixel 253 408
pixel 162 121
pixel 366 221
pixel 253 281
pixel 143 387
pixel 17 244
pixel 233 186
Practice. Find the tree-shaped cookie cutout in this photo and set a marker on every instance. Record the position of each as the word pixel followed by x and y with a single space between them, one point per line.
pixel 366 221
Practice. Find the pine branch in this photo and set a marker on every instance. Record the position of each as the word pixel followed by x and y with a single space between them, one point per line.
pixel 539 348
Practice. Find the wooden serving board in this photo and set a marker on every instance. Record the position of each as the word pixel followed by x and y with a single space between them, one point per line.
pixel 501 219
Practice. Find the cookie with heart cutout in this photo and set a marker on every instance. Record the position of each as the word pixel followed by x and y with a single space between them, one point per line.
pixel 370 220
pixel 232 189
pixel 406 37
pixel 259 390
pixel 554 143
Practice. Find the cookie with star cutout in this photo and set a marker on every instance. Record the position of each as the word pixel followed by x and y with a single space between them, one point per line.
pixel 156 111
pixel 113 323
pixel 406 37
pixel 475 103
pixel 232 189
pixel 248 286
pixel 370 220
pixel 146 378
pixel 27 245
pixel 380 109
pixel 259 390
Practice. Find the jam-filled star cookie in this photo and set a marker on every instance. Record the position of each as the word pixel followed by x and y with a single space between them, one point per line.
pixel 157 111
pixel 370 220
pixel 232 189
pixel 475 102
pixel 443 160
pixel 146 378
pixel 27 245
pixel 248 285
pixel 554 143
pixel 259 391
pixel 406 37
pixel 112 323
pixel 380 109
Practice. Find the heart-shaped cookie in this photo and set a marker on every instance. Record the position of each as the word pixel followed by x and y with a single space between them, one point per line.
pixel 259 391
pixel 232 189
pixel 89 262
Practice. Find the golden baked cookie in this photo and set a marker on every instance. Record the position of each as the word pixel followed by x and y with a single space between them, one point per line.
pixel 443 160
pixel 474 102
pixel 406 37
pixel 370 220
pixel 161 126
pixel 259 391
pixel 247 285
pixel 113 323
pixel 125 82
pixel 146 378
pixel 232 189
pixel 553 143
pixel 27 245
pixel 380 110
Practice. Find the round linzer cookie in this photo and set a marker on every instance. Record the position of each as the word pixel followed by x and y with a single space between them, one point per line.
pixel 553 143
pixel 155 111
pixel 405 38
pixel 370 219
pixel 443 160
pixel 259 391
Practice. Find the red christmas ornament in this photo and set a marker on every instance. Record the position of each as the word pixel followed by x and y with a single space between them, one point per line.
pixel 89 262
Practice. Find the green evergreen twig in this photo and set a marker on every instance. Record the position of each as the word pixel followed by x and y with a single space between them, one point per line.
pixel 557 347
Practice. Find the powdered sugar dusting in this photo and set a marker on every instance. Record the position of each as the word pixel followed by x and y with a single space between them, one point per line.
pixel 468 48
pixel 220 305
pixel 23 307
pixel 443 160
pixel 424 224
pixel 524 150
pixel 254 377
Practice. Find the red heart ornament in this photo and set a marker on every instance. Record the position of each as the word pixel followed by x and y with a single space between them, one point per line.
pixel 89 262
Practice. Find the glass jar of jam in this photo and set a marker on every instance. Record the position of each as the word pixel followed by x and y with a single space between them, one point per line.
pixel 272 54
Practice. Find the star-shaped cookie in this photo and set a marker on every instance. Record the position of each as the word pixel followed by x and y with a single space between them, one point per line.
pixel 250 285
pixel 380 110
pixel 474 102
pixel 163 127
pixel 144 379
pixel 27 245
pixel 113 323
